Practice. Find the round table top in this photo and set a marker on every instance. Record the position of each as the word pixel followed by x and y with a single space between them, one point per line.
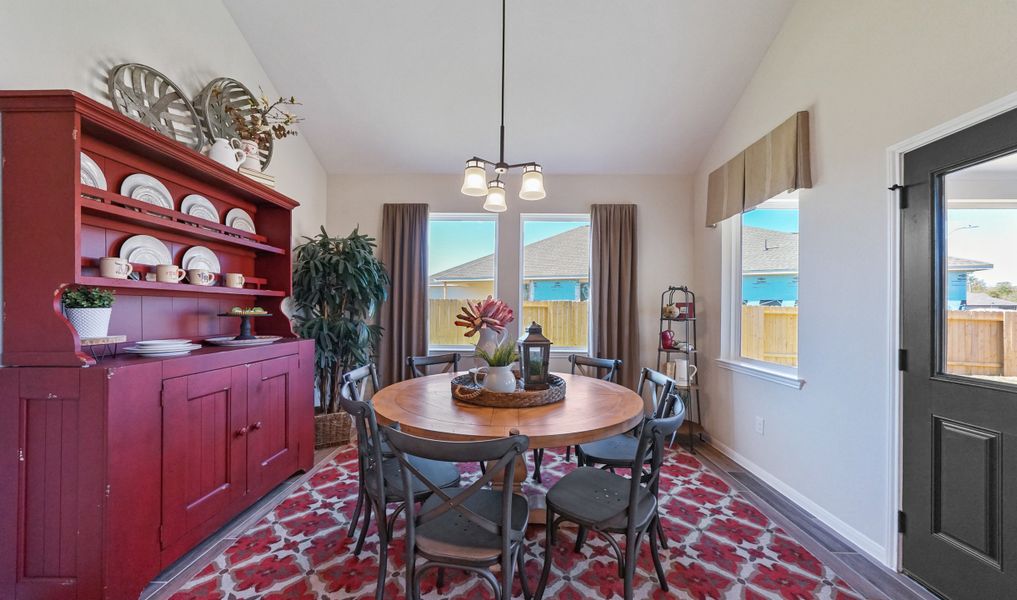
pixel 592 409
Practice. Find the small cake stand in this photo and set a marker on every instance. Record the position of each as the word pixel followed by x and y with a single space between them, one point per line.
pixel 245 324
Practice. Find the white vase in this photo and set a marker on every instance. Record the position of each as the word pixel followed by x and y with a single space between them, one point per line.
pixel 89 322
pixel 496 379
pixel 489 340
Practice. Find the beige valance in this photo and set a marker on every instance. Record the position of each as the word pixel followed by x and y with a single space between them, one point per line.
pixel 776 163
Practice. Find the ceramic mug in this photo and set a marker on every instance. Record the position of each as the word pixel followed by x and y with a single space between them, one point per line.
pixel 115 268
pixel 234 280
pixel 169 274
pixel 200 276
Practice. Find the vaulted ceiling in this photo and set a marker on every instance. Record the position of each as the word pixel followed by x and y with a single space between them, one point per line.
pixel 593 86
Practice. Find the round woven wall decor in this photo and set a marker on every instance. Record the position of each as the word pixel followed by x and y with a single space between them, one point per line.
pixel 150 98
pixel 211 103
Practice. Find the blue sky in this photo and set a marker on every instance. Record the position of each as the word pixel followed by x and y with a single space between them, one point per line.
pixel 985 234
pixel 769 218
pixel 452 243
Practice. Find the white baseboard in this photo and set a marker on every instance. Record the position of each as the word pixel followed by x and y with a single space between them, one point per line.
pixel 863 542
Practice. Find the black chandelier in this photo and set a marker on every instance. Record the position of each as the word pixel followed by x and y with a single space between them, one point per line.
pixel 475 181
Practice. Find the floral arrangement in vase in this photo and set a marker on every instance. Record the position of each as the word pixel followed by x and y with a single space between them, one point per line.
pixel 259 123
pixel 488 318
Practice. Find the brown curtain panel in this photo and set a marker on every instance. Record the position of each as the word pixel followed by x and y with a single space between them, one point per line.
pixel 615 310
pixel 404 315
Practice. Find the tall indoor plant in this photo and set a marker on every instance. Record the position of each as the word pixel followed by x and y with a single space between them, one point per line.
pixel 338 284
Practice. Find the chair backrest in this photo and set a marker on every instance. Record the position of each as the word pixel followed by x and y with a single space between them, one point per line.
pixel 603 368
pixel 368 440
pixel 502 450
pixel 661 387
pixel 652 439
pixel 418 364
pixel 360 377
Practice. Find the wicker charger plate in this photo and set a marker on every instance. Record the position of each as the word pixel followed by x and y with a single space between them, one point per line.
pixel 464 389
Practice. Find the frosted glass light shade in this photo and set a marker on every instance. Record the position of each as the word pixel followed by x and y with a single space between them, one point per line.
pixel 533 183
pixel 475 179
pixel 495 197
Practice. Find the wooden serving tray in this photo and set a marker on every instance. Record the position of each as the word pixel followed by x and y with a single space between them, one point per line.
pixel 464 389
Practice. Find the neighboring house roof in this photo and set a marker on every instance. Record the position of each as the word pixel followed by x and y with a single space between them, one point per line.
pixel 983 299
pixel 562 256
pixel 771 251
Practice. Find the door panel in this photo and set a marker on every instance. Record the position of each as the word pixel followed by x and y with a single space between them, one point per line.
pixel 959 328
pixel 204 448
pixel 272 452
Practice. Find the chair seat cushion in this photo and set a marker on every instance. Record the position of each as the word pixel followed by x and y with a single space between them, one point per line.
pixel 442 474
pixel 451 536
pixel 615 451
pixel 598 498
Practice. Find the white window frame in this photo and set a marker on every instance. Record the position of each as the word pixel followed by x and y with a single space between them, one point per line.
pixel 558 218
pixel 458 216
pixel 731 306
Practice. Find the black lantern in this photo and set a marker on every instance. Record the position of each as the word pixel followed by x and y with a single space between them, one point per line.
pixel 534 358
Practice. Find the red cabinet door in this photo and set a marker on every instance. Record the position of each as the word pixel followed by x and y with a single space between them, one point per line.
pixel 272 453
pixel 204 436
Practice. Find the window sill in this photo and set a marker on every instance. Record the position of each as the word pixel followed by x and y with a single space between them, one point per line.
pixel 789 379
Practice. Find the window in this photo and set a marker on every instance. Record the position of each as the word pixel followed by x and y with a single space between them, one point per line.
pixel 462 265
pixel 555 273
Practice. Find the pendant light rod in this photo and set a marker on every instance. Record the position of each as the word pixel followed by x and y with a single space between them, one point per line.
pixel 501 153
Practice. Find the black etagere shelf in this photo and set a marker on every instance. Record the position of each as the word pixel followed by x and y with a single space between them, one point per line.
pixel 677 340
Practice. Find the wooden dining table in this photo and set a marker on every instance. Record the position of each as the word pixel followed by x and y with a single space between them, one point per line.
pixel 593 409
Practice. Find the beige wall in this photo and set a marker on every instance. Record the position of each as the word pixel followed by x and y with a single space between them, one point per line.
pixel 49 44
pixel 664 228
pixel 872 73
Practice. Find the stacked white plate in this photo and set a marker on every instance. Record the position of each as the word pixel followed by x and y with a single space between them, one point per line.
pixel 259 340
pixel 162 348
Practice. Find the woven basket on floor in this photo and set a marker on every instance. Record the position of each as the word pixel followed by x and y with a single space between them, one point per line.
pixel 331 429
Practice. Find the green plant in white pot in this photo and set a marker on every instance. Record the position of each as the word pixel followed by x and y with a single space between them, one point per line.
pixel 498 375
pixel 88 309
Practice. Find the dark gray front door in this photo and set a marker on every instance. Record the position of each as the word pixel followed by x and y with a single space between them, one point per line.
pixel 959 317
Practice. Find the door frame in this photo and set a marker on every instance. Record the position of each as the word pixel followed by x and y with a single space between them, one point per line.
pixel 895 422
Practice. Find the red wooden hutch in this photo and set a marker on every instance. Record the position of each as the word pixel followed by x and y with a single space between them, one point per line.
pixel 111 469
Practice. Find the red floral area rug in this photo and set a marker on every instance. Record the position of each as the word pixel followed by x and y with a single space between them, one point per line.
pixel 721 547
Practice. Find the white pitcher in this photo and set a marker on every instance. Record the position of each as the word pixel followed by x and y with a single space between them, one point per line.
pixel 489 340
pixel 496 379
pixel 684 373
pixel 227 152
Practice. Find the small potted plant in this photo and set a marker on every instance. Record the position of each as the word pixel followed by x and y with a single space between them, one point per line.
pixel 257 124
pixel 88 309
pixel 498 375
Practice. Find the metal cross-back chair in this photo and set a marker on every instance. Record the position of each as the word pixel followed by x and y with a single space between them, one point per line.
pixel 471 528
pixel 381 481
pixel 359 378
pixel 601 368
pixel 418 364
pixel 608 503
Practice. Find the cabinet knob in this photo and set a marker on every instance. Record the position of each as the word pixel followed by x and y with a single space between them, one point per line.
pixel 241 432
pixel 255 426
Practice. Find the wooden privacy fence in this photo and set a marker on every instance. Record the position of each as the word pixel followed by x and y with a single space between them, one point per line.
pixel 977 342
pixel 770 333
pixel 565 322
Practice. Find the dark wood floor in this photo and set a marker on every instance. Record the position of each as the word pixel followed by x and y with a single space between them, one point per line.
pixel 867 577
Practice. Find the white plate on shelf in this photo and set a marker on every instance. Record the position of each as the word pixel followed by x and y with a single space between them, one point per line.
pixel 200 257
pixel 149 343
pixel 238 218
pixel 91 174
pixel 174 351
pixel 153 195
pixel 199 206
pixel 232 341
pixel 145 250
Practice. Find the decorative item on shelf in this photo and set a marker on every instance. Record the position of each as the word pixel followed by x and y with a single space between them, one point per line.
pixel 200 277
pixel 535 358
pixel 149 97
pixel 162 348
pixel 88 310
pixel 488 317
pixel 232 342
pixel 260 123
pixel 497 375
pixel 200 257
pixel 679 311
pixel 101 347
pixel 667 339
pixel 115 268
pixel 199 206
pixel 234 280
pixel 263 178
pixel 148 189
pixel 169 273
pixel 245 315
pixel 91 174
pixel 338 283
pixel 475 181
pixel 211 104
pixel 228 152
pixel 237 218
pixel 145 250
pixel 684 372
pixel 465 389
